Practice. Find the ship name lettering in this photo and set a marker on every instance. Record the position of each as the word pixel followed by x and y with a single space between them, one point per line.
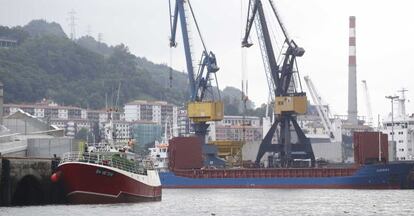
pixel 104 172
pixel 383 170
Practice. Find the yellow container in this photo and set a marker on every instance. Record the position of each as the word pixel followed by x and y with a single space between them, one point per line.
pixel 296 104
pixel 205 111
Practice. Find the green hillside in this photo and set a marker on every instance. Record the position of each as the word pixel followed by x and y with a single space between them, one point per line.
pixel 85 73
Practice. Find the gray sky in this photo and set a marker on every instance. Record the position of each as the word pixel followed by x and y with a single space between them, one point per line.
pixel 385 44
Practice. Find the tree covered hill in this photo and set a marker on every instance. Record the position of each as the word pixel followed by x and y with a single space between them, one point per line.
pixel 85 72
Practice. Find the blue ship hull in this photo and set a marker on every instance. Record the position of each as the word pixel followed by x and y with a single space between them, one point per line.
pixel 379 176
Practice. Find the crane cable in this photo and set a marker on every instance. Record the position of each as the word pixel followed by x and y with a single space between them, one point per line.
pixel 170 63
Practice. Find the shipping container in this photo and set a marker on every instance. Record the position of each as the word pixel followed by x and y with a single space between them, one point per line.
pixel 367 147
pixel 185 153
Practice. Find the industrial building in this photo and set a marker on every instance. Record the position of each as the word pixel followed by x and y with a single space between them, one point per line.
pixel 25 135
pixel 70 118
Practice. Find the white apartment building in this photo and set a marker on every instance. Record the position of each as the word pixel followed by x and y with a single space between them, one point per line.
pixel 122 130
pixel 232 128
pixel 46 109
pixel 159 112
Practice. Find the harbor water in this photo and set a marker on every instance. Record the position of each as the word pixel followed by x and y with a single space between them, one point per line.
pixel 261 202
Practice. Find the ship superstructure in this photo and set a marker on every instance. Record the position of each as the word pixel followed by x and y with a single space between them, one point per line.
pixel 400 129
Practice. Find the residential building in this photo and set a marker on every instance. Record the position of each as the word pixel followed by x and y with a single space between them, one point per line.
pixel 184 127
pixel 46 109
pixel 236 128
pixel 145 132
pixel 158 112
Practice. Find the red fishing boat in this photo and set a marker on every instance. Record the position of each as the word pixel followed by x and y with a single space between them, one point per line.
pixel 107 177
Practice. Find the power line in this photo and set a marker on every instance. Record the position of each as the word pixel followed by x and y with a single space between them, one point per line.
pixel 100 37
pixel 89 30
pixel 72 24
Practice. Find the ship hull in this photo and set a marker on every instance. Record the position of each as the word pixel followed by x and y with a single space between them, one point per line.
pixel 87 183
pixel 383 176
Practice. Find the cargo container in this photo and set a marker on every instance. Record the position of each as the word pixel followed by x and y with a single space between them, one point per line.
pixel 185 153
pixel 370 147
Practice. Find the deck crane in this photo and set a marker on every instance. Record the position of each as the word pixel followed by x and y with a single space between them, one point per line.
pixel 323 113
pixel 205 103
pixel 370 119
pixel 290 100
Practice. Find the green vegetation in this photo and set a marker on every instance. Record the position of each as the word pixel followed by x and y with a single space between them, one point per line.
pixel 86 73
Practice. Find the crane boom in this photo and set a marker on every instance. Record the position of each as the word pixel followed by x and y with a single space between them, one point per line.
pixel 370 119
pixel 323 113
pixel 204 104
pixel 289 101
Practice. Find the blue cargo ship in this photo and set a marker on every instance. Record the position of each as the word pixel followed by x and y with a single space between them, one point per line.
pixel 375 176
pixel 186 170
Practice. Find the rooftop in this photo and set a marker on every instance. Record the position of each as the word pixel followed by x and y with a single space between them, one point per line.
pixel 41 106
pixel 139 102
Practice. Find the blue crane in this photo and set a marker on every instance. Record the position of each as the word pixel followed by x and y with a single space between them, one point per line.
pixel 289 101
pixel 205 102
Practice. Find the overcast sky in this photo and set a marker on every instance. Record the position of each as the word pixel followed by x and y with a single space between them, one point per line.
pixel 385 40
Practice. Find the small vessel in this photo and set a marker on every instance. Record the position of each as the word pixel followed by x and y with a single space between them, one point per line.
pixel 159 156
pixel 108 173
pixel 107 177
pixel 159 153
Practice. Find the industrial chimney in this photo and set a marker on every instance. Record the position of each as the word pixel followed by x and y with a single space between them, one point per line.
pixel 352 76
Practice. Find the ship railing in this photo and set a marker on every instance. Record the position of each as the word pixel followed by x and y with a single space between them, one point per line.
pixel 110 159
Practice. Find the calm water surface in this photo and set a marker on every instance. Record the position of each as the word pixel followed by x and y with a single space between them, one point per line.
pixel 245 202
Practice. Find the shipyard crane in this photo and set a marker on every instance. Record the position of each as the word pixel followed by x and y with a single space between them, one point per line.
pixel 370 119
pixel 205 103
pixel 290 100
pixel 323 113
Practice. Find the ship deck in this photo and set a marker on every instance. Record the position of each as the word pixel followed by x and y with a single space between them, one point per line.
pixel 267 173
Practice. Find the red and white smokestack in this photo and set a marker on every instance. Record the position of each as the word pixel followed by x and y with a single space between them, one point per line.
pixel 352 42
pixel 352 84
